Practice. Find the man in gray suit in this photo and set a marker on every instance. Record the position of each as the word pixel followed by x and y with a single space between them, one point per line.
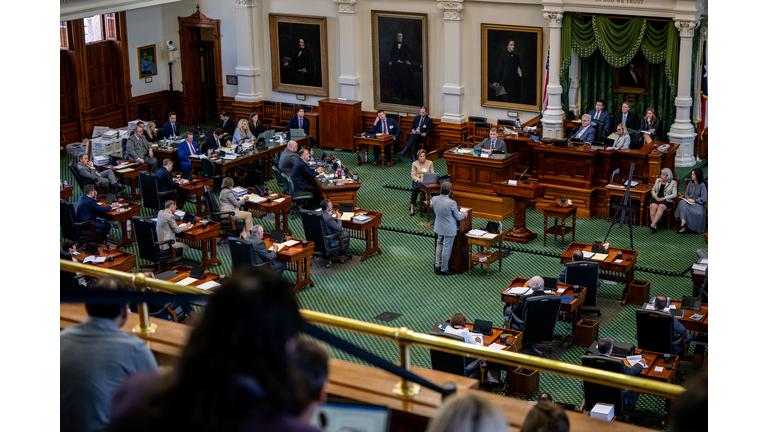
pixel 260 249
pixel 105 179
pixel 167 228
pixel 492 144
pixel 446 215
pixel 333 226
pixel 139 149
pixel 586 132
pixel 288 158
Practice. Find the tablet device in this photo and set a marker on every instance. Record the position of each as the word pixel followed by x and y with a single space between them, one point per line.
pixel 92 248
pixel 186 175
pixel 493 227
pixel 297 133
pixel 277 236
pixel 188 217
pixel 110 198
pixel 197 272
pixel 346 207
pixel 483 327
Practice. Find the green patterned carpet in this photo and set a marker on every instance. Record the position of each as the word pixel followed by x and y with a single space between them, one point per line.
pixel 402 279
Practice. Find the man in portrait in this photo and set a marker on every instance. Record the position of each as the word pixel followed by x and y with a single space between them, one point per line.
pixel 632 78
pixel 399 67
pixel 300 68
pixel 147 64
pixel 508 74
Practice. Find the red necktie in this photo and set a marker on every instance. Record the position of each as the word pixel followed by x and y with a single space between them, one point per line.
pixel 192 148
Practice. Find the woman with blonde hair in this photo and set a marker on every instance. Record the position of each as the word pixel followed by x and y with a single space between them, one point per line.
pixel 663 196
pixel 467 412
pixel 418 168
pixel 228 202
pixel 242 133
pixel 622 138
pixel 152 135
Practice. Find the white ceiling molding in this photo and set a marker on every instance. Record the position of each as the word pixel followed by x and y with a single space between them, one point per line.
pixel 75 9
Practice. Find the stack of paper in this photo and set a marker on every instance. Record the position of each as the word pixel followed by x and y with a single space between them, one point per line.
pixel 347 216
pixel 633 360
pixel 476 233
pixel 489 235
pixel 599 257
pixel 518 290
pixel 587 254
pixel 239 191
pixel 255 198
pixel 94 259
pixel 279 200
pixel 361 218
pixel 230 157
pixel 602 411
pixel 700 267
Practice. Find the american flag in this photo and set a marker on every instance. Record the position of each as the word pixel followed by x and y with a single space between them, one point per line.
pixel 545 101
pixel 703 89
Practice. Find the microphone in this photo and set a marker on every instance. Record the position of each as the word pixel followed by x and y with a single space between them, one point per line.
pixel 521 175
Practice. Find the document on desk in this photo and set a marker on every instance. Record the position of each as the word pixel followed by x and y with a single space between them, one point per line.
pixel 476 233
pixel 496 346
pixel 599 257
pixel 209 285
pixel 489 235
pixel 94 259
pixel 699 267
pixel 179 213
pixel 633 360
pixel 560 290
pixel 615 186
pixel 255 198
pixel 126 170
pixel 518 290
pixel 290 243
pixel 347 216
pixel 464 151
pixel 658 369
pixel 279 200
pixel 588 254
pixel 186 281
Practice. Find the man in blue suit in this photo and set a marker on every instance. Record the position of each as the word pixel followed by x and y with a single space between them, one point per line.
pixel 302 175
pixel 383 125
pixel 446 215
pixel 171 128
pixel 165 183
pixel 87 208
pixel 586 132
pixel 300 122
pixel 602 115
pixel 186 148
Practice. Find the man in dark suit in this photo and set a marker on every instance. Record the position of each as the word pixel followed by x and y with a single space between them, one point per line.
pixel 605 348
pixel 216 140
pixel 537 285
pixel 300 122
pixel 187 148
pixel 602 115
pixel 301 68
pixel 661 303
pixel 226 124
pixel 625 117
pixel 491 144
pixel 586 132
pixel 288 158
pixel 384 125
pixel 577 256
pixel 420 130
pixel 88 207
pixel 171 128
pixel 333 226
pixel 632 78
pixel 508 74
pixel 105 179
pixel 260 249
pixel 302 175
pixel 400 59
pixel 165 183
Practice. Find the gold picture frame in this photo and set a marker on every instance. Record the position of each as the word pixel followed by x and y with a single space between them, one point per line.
pixel 147 65
pixel 299 54
pixel 624 82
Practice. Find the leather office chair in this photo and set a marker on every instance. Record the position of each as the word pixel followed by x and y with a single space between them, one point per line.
pixel 209 171
pixel 635 139
pixel 123 145
pixel 538 321
pixel 230 227
pixel 280 179
pixel 585 274
pixel 71 280
pixel 151 197
pixel 296 196
pixel 315 229
pixel 656 331
pixel 76 231
pixel 505 123
pixel 596 393
pixel 146 238
pixel 456 364
pixel 599 130
pixel 80 180
pixel 670 211
pixel 244 255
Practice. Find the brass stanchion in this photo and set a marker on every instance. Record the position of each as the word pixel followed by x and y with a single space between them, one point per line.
pixel 144 327
pixel 404 387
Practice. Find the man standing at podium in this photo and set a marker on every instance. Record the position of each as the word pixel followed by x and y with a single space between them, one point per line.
pixel 446 215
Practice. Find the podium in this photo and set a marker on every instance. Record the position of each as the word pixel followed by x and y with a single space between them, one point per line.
pixel 521 194
pixel 458 261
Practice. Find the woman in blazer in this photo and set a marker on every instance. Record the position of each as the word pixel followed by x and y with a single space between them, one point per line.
pixel 663 196
pixel 650 123
pixel 418 168
pixel 622 139
pixel 153 135
pixel 255 126
pixel 242 133
pixel 228 202
pixel 691 213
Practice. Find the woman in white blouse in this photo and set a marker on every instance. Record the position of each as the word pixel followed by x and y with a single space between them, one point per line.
pixel 622 139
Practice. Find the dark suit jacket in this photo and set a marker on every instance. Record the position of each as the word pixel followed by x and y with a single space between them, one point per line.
pixel 605 118
pixel 626 370
pixel 391 127
pixel 403 54
pixel 520 305
pixel 87 206
pixel 426 124
pixel 168 129
pixel 260 249
pixel 644 126
pixel 301 174
pixel 228 126
pixel 165 180
pixel 210 142
pixel 332 226
pixel 293 123
pixel 630 124
pixel 256 130
pixel 587 136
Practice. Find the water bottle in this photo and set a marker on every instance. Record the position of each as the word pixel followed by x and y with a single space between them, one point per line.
pixel 312 155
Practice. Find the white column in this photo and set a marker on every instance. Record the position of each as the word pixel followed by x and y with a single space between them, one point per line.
pixel 574 72
pixel 453 90
pixel 349 79
pixel 552 120
pixel 682 131
pixel 247 19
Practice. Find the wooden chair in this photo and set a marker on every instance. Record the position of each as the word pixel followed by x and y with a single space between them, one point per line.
pixel 271 114
pixel 482 131
pixel 706 207
pixel 669 211
pixel 286 112
pixel 471 124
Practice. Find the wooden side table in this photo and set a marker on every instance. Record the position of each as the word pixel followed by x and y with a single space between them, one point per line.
pixel 486 244
pixel 557 212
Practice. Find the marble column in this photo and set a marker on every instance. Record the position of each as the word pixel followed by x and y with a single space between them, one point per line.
pixel 574 95
pixel 682 130
pixel 453 89
pixel 349 78
pixel 248 70
pixel 552 121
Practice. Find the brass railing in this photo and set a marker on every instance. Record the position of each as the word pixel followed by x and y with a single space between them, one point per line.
pixel 405 337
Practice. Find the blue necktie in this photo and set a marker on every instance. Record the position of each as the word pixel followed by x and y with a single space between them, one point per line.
pixel 493 145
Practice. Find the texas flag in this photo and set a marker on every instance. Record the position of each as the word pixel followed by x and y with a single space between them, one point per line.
pixel 546 83
pixel 703 89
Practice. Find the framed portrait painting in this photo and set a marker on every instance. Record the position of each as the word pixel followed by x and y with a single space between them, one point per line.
pixel 299 54
pixel 633 77
pixel 400 61
pixel 511 63
pixel 147 61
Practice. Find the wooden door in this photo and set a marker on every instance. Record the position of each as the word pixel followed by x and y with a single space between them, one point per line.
pixel 191 76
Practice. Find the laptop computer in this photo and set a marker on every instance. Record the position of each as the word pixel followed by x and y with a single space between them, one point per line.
pixel 691 303
pixel 493 227
pixel 267 135
pixel 197 272
pixel 186 175
pixel 676 312
pixel 188 217
pixel 550 283
pixel 110 198
pixel 483 327
pixel 297 133
pixel 166 275
pixel 90 248
pixel 346 207
pixel 277 236
pixel 430 178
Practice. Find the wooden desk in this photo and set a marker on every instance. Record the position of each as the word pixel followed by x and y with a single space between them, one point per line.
pixel 171 153
pixel 692 325
pixel 183 273
pixel 641 193
pixel 128 177
pixel 244 158
pixel 123 261
pixel 66 193
pixel 697 277
pixel 460 247
pixel 557 212
pixel 655 360
pixel 202 238
pixel 123 215
pixel 280 209
pixel 195 187
pixel 573 308
pixel 608 266
pixel 566 167
pixel 489 257
pixel 297 258
pixel 368 231
pixel 343 193
pixel 427 191
pixel 381 141
pixel 522 195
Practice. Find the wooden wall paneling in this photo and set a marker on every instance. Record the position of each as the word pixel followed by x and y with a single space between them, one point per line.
pixel 340 121
pixel 244 109
pixel 189 39
pixel 314 124
pixel 122 65
pixel 448 133
pixel 157 102
pixel 603 163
